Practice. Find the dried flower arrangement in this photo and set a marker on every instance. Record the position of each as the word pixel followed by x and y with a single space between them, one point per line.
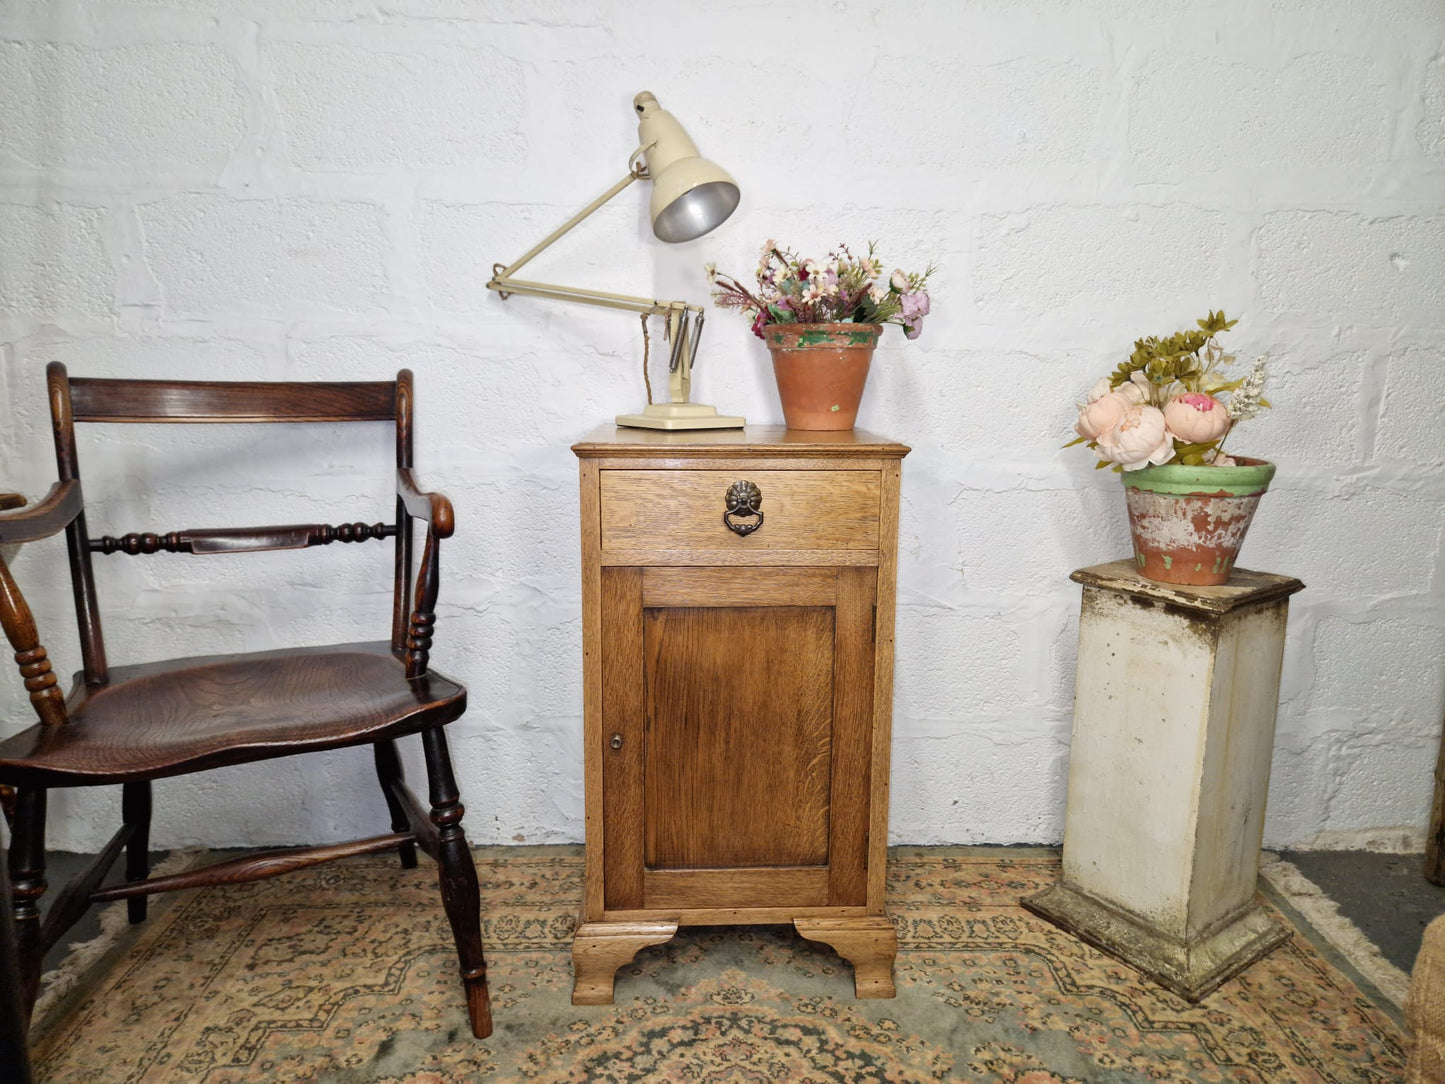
pixel 841 289
pixel 1170 402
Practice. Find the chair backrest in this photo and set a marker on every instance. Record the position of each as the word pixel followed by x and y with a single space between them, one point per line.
pixel 74 400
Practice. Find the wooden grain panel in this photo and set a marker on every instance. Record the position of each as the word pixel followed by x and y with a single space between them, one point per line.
pixel 622 716
pixel 593 900
pixel 736 558
pixel 797 886
pixel 728 587
pixel 781 915
pixel 104 400
pixel 852 737
pixel 882 738
pixel 817 510
pixel 753 442
pixel 746 465
pixel 739 705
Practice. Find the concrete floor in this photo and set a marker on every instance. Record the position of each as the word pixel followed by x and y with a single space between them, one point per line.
pixel 1385 895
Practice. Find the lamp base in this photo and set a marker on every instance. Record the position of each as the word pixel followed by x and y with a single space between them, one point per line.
pixel 679 416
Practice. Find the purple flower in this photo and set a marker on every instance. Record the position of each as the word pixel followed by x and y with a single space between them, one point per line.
pixel 913 329
pixel 914 305
pixel 759 322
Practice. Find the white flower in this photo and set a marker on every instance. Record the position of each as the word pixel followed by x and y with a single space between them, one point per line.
pixel 1245 403
pixel 899 281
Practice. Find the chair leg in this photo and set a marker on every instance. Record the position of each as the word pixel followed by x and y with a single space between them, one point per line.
pixel 135 810
pixel 460 895
pixel 388 770
pixel 27 886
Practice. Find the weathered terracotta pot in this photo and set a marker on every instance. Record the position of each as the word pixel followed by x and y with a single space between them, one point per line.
pixel 821 370
pixel 1189 522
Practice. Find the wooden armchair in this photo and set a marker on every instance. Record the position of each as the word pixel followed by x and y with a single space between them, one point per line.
pixel 129 725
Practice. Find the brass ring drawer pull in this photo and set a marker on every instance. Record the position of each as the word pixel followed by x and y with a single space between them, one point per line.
pixel 743 500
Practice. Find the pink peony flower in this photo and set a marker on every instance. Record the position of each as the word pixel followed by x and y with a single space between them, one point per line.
pixel 1138 439
pixel 1196 418
pixel 1102 414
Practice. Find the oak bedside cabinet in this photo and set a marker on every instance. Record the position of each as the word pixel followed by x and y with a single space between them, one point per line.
pixel 737 616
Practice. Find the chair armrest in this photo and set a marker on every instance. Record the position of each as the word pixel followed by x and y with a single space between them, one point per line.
pixel 53 512
pixel 433 508
pixel 18 625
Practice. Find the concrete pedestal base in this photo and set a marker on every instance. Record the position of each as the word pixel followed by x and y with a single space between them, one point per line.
pixel 1193 968
pixel 1174 707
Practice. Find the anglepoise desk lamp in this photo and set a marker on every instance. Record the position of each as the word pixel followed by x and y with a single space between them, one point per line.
pixel 690 197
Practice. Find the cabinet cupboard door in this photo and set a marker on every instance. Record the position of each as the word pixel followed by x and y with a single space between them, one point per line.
pixel 737 721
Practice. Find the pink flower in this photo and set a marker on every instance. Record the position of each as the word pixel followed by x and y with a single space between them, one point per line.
pixel 914 304
pixel 1102 414
pixel 1196 418
pixel 1138 439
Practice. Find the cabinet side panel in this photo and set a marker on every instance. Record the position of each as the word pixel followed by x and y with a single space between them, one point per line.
pixel 622 727
pixel 589 518
pixel 852 737
pixel 739 716
pixel 883 625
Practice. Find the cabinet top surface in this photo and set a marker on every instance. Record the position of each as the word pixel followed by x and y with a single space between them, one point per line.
pixel 754 440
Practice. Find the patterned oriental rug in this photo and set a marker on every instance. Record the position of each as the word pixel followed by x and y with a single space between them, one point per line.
pixel 346 974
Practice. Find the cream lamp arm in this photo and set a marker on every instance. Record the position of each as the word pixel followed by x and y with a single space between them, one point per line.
pixel 690 197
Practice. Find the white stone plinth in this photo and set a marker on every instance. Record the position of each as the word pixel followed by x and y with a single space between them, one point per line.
pixel 1174 712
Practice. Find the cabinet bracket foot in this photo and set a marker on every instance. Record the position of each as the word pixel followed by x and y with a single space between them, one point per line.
pixel 869 944
pixel 600 948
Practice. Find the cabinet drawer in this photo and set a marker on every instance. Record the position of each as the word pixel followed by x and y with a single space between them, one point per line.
pixel 672 510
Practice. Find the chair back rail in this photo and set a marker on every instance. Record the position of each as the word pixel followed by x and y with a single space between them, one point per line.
pixel 159 401
pixel 86 399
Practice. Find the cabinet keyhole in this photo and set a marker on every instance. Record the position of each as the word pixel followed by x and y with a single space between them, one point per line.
pixel 616 741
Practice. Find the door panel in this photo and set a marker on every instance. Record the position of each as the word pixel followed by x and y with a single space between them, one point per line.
pixel 739 746
pixel 736 735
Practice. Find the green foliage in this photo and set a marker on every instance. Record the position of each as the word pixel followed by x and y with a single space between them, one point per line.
pixel 1187 358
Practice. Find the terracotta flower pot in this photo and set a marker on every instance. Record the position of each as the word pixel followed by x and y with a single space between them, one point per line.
pixel 1189 522
pixel 821 370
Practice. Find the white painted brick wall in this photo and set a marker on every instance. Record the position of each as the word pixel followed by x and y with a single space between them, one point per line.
pixel 317 189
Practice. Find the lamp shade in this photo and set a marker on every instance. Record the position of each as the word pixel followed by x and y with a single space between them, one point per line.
pixel 690 195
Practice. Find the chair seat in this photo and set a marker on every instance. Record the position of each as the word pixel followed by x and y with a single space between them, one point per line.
pixel 165 718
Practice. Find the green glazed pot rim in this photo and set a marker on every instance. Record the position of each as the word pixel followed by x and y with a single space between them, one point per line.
pixel 789 336
pixel 1250 477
